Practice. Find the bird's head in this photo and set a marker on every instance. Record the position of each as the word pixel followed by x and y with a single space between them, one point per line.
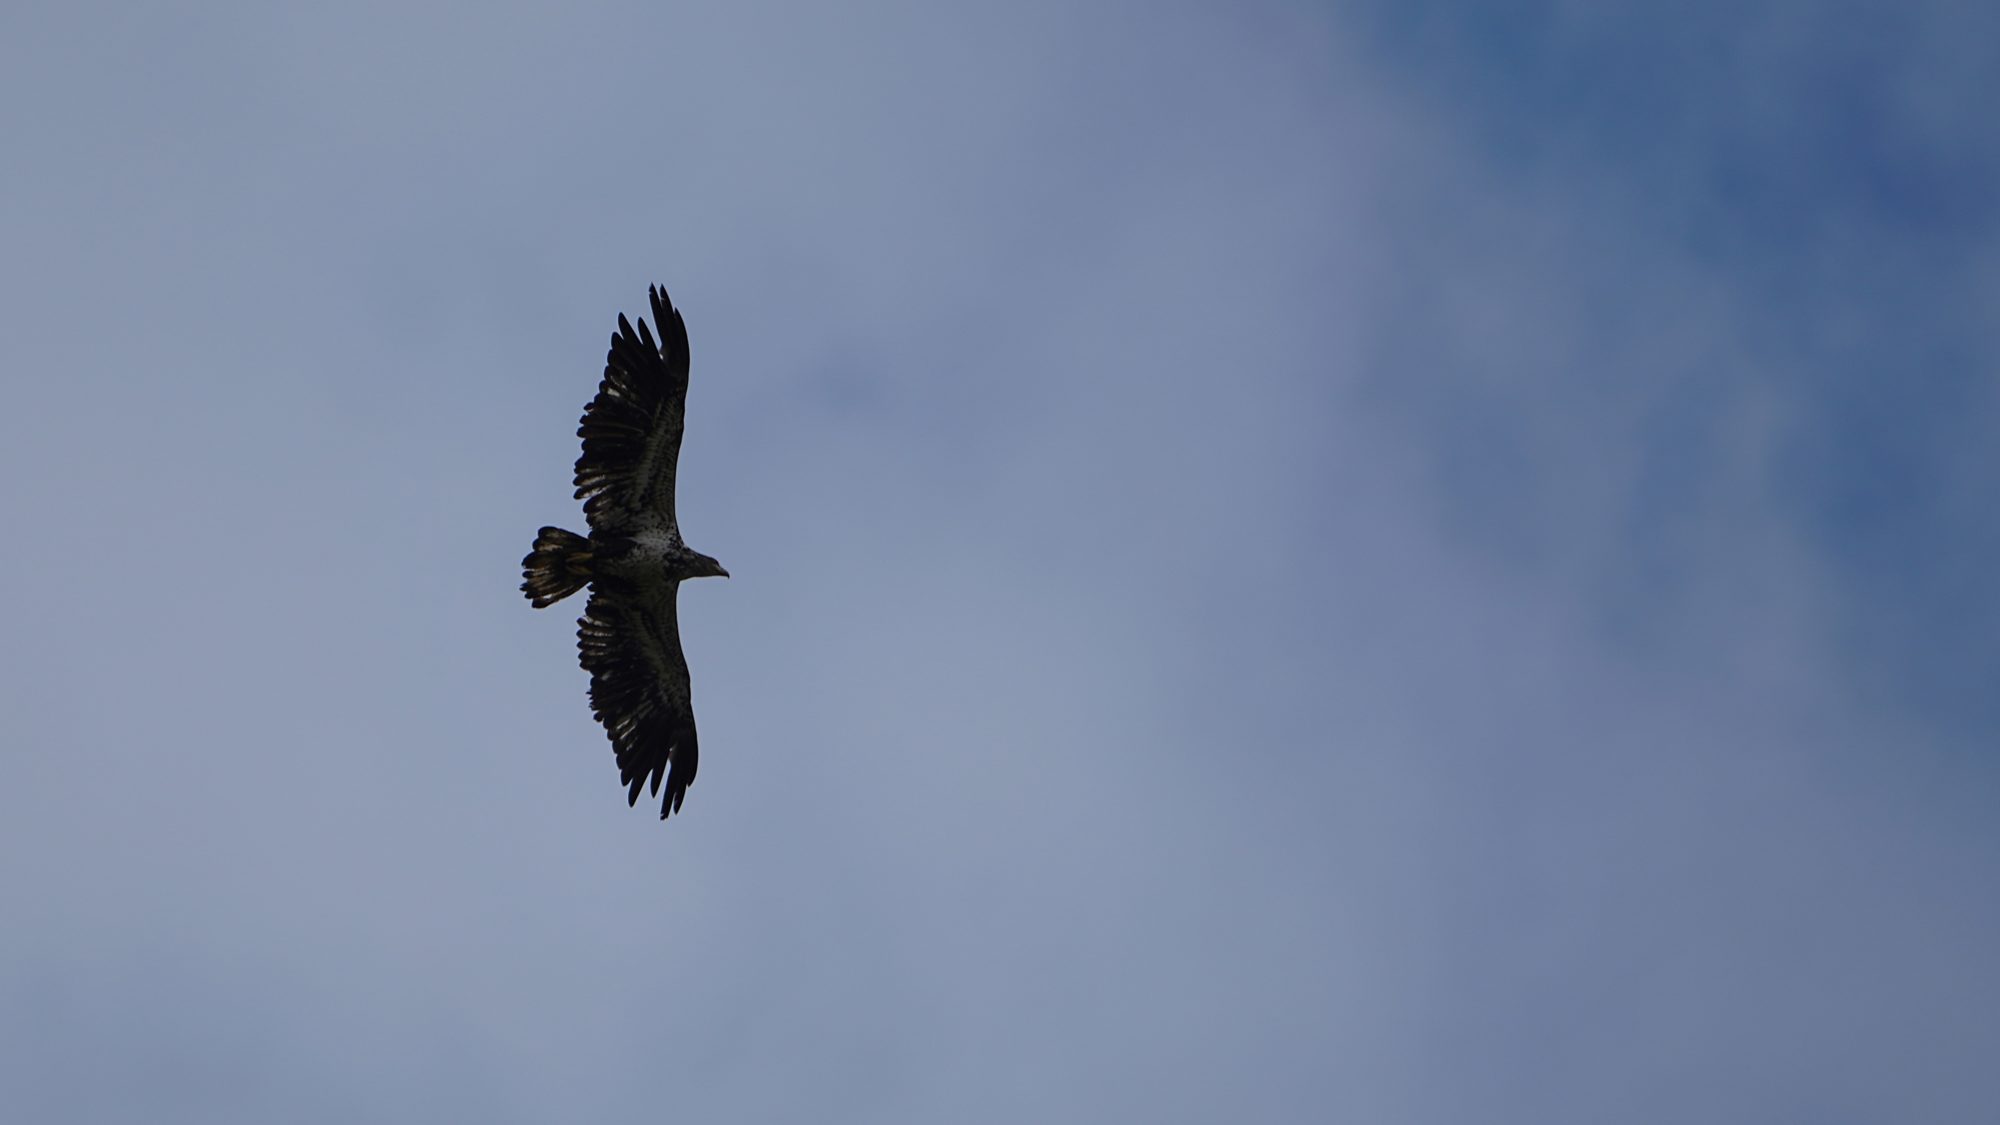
pixel 705 567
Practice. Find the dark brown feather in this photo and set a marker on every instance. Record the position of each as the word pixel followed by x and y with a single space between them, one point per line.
pixel 629 641
pixel 632 430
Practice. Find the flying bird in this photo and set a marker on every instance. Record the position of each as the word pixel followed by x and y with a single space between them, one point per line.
pixel 629 636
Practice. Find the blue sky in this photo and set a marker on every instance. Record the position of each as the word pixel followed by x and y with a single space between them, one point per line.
pixel 1404 563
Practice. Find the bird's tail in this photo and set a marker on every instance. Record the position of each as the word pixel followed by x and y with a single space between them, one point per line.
pixel 557 567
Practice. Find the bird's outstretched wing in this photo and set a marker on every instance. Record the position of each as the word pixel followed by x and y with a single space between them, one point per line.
pixel 629 640
pixel 632 430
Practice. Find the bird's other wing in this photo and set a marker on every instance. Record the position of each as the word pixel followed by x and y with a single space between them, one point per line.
pixel 629 640
pixel 632 430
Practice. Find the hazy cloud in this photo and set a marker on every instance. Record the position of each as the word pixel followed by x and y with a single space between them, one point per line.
pixel 1388 564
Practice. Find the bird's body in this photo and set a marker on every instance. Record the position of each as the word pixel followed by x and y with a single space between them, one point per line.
pixel 634 559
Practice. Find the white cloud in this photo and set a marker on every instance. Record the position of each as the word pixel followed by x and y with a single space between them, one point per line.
pixel 1246 606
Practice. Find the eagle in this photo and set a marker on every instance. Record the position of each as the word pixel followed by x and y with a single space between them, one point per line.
pixel 633 560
